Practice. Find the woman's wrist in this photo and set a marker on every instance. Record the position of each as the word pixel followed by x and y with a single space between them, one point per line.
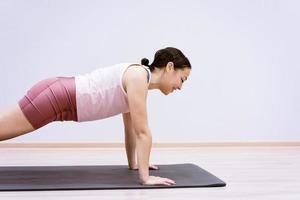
pixel 143 174
pixel 133 166
pixel 144 179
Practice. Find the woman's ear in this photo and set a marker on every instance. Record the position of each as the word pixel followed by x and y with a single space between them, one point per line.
pixel 170 66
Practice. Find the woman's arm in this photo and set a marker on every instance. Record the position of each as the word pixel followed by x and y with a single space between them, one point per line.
pixel 130 141
pixel 130 144
pixel 137 90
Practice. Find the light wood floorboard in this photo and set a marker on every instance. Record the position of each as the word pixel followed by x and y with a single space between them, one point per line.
pixel 258 173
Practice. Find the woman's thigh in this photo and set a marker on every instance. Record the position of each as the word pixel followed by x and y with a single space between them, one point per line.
pixel 52 99
pixel 13 123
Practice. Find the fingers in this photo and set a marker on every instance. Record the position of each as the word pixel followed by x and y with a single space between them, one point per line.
pixel 167 181
pixel 150 168
pixel 170 181
pixel 153 167
pixel 156 180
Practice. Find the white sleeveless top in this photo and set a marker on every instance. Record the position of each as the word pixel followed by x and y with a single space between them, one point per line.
pixel 100 94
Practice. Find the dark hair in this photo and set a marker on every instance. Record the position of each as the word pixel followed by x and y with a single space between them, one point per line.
pixel 169 54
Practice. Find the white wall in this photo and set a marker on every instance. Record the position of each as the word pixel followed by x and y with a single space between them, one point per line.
pixel 245 54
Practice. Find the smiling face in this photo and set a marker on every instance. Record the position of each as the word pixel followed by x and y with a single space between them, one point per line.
pixel 173 79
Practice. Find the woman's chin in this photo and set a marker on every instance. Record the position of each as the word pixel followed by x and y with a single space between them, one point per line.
pixel 166 92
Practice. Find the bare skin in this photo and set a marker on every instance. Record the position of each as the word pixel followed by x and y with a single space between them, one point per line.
pixel 138 134
pixel 13 123
pixel 166 80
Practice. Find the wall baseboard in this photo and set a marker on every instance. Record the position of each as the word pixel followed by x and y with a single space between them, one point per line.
pixel 154 145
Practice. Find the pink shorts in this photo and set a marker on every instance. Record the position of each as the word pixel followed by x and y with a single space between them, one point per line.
pixel 52 99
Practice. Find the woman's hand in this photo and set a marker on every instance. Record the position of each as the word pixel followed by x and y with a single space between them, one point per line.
pixel 156 180
pixel 151 167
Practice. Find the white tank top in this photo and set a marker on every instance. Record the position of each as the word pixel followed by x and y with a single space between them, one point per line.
pixel 100 94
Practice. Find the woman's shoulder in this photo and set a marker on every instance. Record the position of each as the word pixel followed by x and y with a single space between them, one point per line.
pixel 136 71
pixel 135 74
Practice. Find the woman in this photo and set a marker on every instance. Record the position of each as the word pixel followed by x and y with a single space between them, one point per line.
pixel 103 93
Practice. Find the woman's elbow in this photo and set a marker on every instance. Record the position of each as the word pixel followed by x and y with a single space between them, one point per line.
pixel 141 131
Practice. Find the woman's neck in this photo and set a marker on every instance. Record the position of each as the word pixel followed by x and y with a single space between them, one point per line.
pixel 155 79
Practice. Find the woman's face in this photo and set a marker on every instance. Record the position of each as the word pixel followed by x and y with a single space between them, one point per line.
pixel 173 79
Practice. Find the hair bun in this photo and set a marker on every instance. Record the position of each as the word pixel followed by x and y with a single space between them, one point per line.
pixel 145 62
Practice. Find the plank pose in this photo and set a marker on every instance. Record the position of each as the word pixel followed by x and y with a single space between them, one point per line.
pixel 105 92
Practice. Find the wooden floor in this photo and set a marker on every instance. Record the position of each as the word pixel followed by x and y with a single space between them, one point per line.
pixel 250 172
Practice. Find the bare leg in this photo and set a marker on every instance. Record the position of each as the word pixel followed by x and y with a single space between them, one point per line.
pixel 13 123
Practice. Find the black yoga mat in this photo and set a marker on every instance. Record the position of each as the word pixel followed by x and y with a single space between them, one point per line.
pixel 100 177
